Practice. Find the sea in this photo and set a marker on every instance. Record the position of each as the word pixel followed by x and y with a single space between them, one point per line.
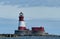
pixel 31 37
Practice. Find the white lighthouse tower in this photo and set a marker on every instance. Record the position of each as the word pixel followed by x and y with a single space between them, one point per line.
pixel 21 22
pixel 21 27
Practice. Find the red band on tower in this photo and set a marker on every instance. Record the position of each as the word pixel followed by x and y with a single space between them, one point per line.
pixel 21 17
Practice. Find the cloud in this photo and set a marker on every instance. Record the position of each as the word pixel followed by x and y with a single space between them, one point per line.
pixel 12 12
pixel 29 3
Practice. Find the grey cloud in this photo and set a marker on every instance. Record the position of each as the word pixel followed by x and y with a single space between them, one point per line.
pixel 29 3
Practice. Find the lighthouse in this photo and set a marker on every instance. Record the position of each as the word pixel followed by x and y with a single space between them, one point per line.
pixel 21 25
pixel 22 30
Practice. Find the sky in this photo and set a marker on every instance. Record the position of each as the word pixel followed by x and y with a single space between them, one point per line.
pixel 38 8
pixel 32 9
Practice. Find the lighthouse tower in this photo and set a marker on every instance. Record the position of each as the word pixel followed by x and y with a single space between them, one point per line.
pixel 21 25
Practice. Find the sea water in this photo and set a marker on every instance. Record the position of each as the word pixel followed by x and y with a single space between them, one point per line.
pixel 31 37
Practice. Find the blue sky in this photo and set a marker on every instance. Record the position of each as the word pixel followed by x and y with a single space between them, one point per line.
pixel 32 9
